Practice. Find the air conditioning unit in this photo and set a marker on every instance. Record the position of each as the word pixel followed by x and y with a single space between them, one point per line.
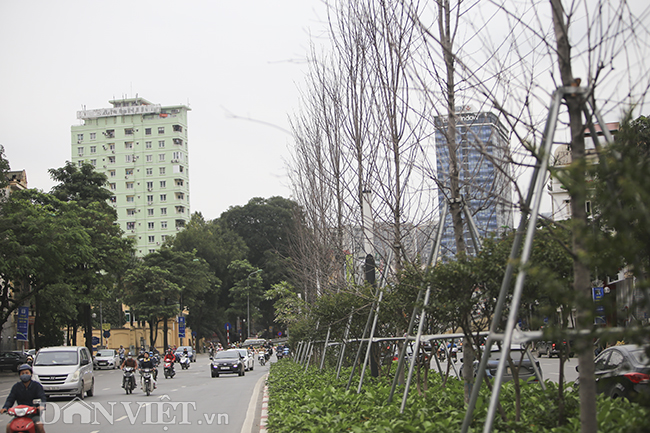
pixel 174 160
pixel 132 231
pixel 104 166
pixel 112 151
pixel 126 177
pixel 139 210
pixel 149 189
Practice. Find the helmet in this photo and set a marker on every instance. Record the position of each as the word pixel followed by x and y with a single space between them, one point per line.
pixel 25 367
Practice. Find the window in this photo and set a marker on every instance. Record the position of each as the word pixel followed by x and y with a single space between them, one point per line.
pixel 163 197
pixel 150 199
pixel 130 198
pixel 177 155
pixel 128 145
pixel 128 131
pixel 177 128
pixel 163 184
pixel 149 171
pixel 80 151
pixel 111 160
pixel 113 199
pixel 128 158
pixel 128 172
pixel 163 225
pixel 179 182
pixel 615 360
pixel 152 239
pixel 148 158
pixel 163 211
pixel 147 131
pixel 161 171
pixel 147 144
pixel 111 147
pixel 113 186
pixel 93 135
pixel 93 162
pixel 150 225
pixel 152 251
pixel 111 173
pixel 163 238
pixel 178 142
pixel 149 185
pixel 110 133
pixel 161 130
pixel 93 149
pixel 180 195
pixel 161 144
pixel 130 212
pixel 80 137
pixel 161 157
pixel 129 185
pixel 150 212
pixel 130 225
pixel 178 169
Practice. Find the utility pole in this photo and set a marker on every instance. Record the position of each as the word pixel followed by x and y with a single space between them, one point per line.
pixel 248 301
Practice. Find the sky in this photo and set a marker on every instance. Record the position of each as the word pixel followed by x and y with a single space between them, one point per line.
pixel 238 64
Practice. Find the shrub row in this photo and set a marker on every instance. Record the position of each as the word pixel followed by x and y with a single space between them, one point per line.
pixel 315 401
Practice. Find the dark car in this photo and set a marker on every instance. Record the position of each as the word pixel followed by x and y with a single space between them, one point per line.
pixel 554 348
pixel 12 360
pixel 525 371
pixel 227 362
pixel 623 371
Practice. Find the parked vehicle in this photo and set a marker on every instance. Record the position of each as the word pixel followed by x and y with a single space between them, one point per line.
pixel 520 360
pixel 227 362
pixel 22 422
pixel 623 371
pixel 11 360
pixel 249 362
pixel 65 370
pixel 128 379
pixel 554 348
pixel 106 358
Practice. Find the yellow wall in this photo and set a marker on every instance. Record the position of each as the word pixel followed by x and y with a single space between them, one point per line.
pixel 130 336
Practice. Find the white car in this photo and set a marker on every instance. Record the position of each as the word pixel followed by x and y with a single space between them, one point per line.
pixel 106 358
pixel 249 361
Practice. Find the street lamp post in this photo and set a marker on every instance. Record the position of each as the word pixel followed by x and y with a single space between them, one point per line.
pixel 248 301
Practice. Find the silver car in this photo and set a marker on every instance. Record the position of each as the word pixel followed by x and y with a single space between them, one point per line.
pixel 106 358
pixel 249 362
pixel 65 370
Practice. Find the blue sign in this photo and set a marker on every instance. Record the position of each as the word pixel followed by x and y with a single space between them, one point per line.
pixel 22 324
pixel 228 326
pixel 599 293
pixel 181 327
pixel 107 334
pixel 279 333
pixel 95 341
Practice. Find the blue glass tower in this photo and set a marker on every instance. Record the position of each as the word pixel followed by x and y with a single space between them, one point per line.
pixel 482 152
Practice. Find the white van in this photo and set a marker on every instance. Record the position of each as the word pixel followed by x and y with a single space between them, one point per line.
pixel 65 370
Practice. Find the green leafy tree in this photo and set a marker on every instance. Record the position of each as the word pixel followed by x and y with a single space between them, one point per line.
pixel 215 243
pixel 40 239
pixel 4 168
pixel 151 293
pixel 188 272
pixel 246 293
pixel 94 279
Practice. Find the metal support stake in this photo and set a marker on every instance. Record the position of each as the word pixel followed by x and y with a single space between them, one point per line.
pixel 344 344
pixel 453 364
pixel 356 358
pixel 372 335
pixel 327 340
pixel 402 352
pixel 414 357
pixel 538 176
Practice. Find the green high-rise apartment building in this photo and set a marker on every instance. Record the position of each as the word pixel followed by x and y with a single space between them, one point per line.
pixel 142 148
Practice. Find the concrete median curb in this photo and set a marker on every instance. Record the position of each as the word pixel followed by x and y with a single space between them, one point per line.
pixel 256 406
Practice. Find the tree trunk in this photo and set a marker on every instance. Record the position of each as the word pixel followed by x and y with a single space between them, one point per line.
pixel 88 327
pixel 581 278
pixel 165 337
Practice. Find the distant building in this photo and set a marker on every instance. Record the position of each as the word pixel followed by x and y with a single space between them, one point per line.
pixel 143 150
pixel 16 180
pixel 484 168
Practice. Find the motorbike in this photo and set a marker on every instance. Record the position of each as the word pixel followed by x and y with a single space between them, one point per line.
pixel 22 423
pixel 169 370
pixel 147 381
pixel 128 380
pixel 185 362
pixel 262 358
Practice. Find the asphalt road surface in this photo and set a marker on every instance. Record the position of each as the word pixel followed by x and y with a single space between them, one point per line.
pixel 191 401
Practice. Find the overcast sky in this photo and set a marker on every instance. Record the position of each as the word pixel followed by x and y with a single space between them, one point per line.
pixel 227 59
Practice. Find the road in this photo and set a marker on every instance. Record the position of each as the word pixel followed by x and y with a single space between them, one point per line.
pixel 192 399
pixel 550 368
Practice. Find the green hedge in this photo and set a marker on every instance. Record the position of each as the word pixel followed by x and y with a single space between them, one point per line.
pixel 316 402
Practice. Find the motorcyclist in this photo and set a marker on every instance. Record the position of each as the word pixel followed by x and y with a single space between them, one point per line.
pixel 155 359
pixel 129 362
pixel 26 392
pixel 147 362
pixel 121 353
pixel 29 360
pixel 185 353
